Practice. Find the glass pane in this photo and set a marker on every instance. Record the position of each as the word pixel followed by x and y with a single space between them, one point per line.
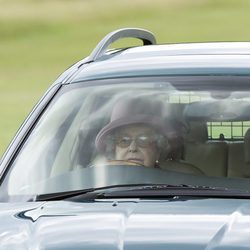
pixel 134 131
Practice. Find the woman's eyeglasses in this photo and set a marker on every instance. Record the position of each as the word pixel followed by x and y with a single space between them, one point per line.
pixel 141 140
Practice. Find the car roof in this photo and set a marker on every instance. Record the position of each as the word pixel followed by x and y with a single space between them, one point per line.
pixel 217 58
pixel 205 48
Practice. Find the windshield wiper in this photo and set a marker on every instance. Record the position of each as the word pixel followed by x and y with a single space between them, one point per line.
pixel 87 192
pixel 168 191
pixel 146 191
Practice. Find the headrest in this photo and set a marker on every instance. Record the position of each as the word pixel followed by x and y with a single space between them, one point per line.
pixel 247 146
pixel 197 132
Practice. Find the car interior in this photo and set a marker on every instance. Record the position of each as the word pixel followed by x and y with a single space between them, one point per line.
pixel 221 156
pixel 193 149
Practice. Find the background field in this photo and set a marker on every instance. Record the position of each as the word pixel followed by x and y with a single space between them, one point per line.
pixel 41 38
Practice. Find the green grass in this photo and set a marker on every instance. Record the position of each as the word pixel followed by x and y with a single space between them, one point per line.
pixel 40 38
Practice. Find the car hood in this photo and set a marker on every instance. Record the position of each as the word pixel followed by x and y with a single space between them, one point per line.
pixel 126 224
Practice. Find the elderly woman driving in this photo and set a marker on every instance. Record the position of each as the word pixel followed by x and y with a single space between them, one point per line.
pixel 138 134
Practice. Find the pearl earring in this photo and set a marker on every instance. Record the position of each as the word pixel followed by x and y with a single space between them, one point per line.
pixel 157 164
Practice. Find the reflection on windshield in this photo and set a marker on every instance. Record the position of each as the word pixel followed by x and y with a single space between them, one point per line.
pixel 201 135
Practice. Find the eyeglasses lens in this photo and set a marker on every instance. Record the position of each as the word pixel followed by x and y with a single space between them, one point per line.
pixel 141 141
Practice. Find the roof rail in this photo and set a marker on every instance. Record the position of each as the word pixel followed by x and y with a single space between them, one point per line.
pixel 146 36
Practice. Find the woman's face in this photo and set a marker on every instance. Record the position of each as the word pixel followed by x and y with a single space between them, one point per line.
pixel 137 143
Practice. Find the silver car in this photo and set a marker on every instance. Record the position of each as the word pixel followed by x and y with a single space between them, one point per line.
pixel 144 147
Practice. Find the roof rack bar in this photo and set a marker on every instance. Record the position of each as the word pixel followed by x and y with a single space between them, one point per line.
pixel 146 36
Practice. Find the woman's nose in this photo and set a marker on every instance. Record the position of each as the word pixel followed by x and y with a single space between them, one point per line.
pixel 132 147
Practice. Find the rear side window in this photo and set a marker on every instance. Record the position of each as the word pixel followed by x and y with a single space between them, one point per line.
pixel 227 130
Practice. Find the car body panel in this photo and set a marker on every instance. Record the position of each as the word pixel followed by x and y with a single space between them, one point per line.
pixel 182 65
pixel 211 48
pixel 126 224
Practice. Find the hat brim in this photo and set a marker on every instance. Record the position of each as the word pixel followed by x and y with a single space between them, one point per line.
pixel 153 121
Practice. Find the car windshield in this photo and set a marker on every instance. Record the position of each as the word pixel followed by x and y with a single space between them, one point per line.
pixel 192 130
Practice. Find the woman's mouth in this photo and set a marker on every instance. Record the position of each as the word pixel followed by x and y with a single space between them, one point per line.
pixel 136 160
